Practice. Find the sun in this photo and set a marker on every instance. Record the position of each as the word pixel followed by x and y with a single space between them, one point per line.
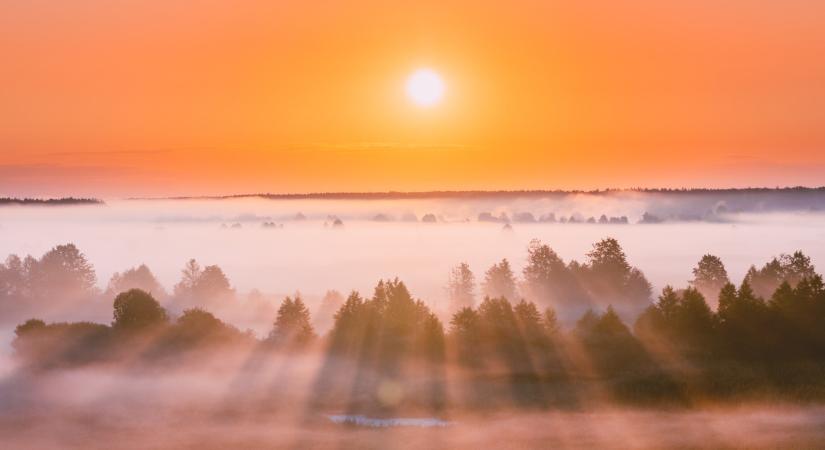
pixel 425 87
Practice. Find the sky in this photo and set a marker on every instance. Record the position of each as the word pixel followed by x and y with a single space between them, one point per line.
pixel 121 98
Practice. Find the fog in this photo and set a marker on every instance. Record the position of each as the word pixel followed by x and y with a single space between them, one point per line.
pixel 312 256
pixel 241 399
pixel 306 256
pixel 226 407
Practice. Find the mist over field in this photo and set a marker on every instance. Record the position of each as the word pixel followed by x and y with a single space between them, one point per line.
pixel 305 255
pixel 247 396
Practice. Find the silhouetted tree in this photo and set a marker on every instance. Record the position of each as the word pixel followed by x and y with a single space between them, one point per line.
pixel 694 324
pixel 54 345
pixel 197 328
pixel 29 326
pixel 742 320
pixel 292 326
pixel 62 272
pixel 682 321
pixel 13 280
pixel 607 261
pixel 330 303
pixel 350 324
pixel 611 345
pixel 551 323
pixel 190 275
pixel 135 278
pixel 796 319
pixel 586 323
pixel 608 275
pixel 461 287
pixel 203 285
pixel 466 334
pixel 548 281
pixel 529 321
pixel 213 285
pixel 791 268
pixel 499 281
pixel 136 310
pixel 709 276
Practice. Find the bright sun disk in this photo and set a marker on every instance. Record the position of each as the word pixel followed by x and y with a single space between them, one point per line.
pixel 425 87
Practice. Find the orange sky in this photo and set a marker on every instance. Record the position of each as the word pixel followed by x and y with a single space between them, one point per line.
pixel 130 97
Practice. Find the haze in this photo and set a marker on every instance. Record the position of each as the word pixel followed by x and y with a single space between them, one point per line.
pixel 372 224
pixel 268 249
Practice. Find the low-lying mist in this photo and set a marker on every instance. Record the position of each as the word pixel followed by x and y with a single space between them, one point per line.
pixel 304 255
pixel 228 406
pixel 599 354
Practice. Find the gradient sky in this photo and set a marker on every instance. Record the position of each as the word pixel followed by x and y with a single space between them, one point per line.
pixel 132 98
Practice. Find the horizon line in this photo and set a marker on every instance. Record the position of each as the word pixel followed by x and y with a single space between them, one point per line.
pixel 391 194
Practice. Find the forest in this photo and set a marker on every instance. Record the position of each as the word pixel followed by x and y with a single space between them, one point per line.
pixel 64 201
pixel 560 334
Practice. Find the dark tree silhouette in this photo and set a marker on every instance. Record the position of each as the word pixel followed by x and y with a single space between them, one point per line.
pixel 350 323
pixel 292 326
pixel 197 328
pixel 743 320
pixel 709 276
pixel 466 334
pixel 549 282
pixel 791 268
pixel 609 275
pixel 611 345
pixel 136 310
pixel 551 323
pixel 529 322
pixel 682 321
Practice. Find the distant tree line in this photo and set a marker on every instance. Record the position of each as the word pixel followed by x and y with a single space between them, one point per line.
pixel 606 277
pixel 63 275
pixel 395 195
pixel 49 201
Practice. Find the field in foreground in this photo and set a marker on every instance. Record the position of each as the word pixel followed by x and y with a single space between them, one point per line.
pixel 271 406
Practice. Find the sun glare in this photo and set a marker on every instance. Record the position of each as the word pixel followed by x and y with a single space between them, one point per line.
pixel 425 87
